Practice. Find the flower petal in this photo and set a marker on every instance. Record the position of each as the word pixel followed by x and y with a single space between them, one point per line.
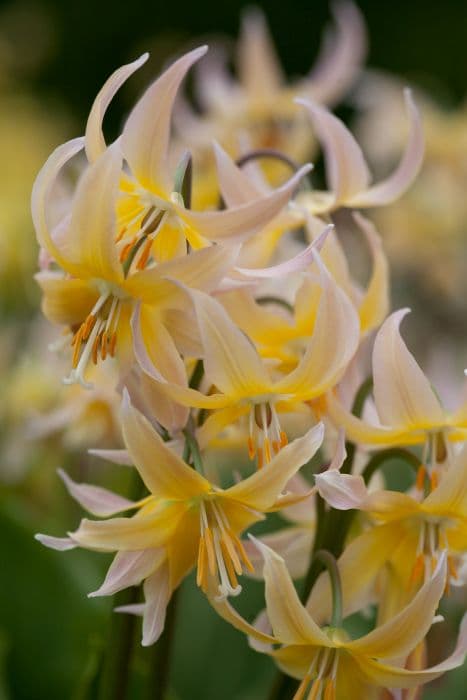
pixel 401 634
pixel 66 300
pixel 90 238
pixel 95 499
pixel 230 615
pixel 95 142
pixel 334 341
pixel 298 263
pixel 41 192
pixel 61 544
pixel 403 395
pixel 293 544
pixel 341 491
pixel 375 304
pixel 392 677
pixel 146 134
pixel 262 489
pixel 129 534
pixel 346 169
pixel 259 69
pixel 157 595
pixel 129 569
pixel 241 222
pixel 289 618
pixel 230 360
pixel 450 496
pixel 166 475
pixel 236 186
pixel 400 180
pixel 341 56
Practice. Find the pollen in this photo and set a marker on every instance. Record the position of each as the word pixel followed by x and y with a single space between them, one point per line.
pixel 265 436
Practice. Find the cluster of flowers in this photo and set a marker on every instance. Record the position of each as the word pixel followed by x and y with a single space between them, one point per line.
pixel 221 295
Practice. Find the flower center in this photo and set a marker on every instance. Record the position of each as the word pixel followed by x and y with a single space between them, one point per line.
pixel 431 542
pixel 138 229
pixel 265 435
pixel 221 553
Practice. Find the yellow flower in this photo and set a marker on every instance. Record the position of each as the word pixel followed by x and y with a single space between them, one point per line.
pixel 95 293
pixel 245 386
pixel 185 521
pixel 410 531
pixel 328 662
pixel 150 208
pixel 408 409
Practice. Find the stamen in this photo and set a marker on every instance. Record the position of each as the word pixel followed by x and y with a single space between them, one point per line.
pixel 421 474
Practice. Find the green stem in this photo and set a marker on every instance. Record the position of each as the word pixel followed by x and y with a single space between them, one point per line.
pixel 270 153
pixel 330 563
pixel 184 178
pixel 378 460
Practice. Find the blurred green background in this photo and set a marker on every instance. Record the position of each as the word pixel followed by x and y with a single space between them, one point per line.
pixel 52 638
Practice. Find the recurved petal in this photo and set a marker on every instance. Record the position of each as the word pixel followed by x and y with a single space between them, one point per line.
pixel 293 544
pixel 40 198
pixel 61 544
pixel 374 306
pixel 335 339
pixel 400 180
pixel 259 69
pixel 346 169
pixel 403 395
pixel 157 595
pixel 94 138
pixel 66 300
pixel 341 55
pixel 238 223
pixel 393 677
pixel 89 242
pixel 95 499
pixel 236 186
pixel 146 134
pixel 230 615
pixel 129 569
pixel 342 491
pixel 289 619
pixel 262 489
pixel 401 634
pixel 164 473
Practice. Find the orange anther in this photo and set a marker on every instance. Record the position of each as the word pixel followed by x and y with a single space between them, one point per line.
pixel 284 439
pixel 420 481
pixel 267 450
pixel 417 570
pixel 251 448
pixel 316 689
pixel 330 690
pixel 210 550
pixel 260 458
pixel 113 343
pixel 276 446
pixel 434 481
pixel 144 257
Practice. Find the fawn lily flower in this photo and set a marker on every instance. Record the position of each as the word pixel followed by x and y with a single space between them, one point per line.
pixel 347 172
pixel 94 293
pixel 185 521
pixel 245 387
pixel 407 406
pixel 326 660
pixel 152 215
pixel 429 521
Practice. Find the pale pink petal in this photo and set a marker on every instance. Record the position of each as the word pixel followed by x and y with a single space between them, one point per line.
pixel 341 491
pixel 157 595
pixel 236 186
pixel 375 303
pixel 403 394
pixel 95 142
pixel 409 166
pixel 41 192
pixel 298 263
pixel 61 544
pixel 346 169
pixel 239 223
pixel 95 499
pixel 146 134
pixel 259 69
pixel 341 56
pixel 293 544
pixel 131 609
pixel 129 569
